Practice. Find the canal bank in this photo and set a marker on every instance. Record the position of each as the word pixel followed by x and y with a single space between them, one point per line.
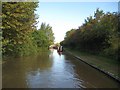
pixel 101 69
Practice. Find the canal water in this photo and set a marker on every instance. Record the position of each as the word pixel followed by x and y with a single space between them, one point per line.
pixel 52 70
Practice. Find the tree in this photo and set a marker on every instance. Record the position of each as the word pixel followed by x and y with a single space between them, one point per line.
pixel 98 14
pixel 17 24
pixel 99 34
pixel 48 32
pixel 40 39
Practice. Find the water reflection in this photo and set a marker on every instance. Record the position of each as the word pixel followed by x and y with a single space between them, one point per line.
pixel 16 69
pixel 60 53
pixel 56 77
pixel 52 70
pixel 90 77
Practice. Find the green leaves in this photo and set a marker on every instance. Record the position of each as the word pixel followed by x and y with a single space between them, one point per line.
pixel 99 34
pixel 18 20
pixel 44 36
pixel 20 36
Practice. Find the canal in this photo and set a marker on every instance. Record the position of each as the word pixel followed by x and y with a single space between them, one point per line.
pixel 52 70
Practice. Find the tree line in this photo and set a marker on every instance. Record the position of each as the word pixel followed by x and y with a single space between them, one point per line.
pixel 99 34
pixel 19 33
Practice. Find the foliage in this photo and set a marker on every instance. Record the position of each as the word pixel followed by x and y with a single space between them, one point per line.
pixel 48 32
pixel 19 34
pixel 44 36
pixel 99 34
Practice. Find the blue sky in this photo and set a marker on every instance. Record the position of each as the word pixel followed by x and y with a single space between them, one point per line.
pixel 63 16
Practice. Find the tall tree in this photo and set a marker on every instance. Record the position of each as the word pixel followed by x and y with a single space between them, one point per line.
pixel 18 22
pixel 47 29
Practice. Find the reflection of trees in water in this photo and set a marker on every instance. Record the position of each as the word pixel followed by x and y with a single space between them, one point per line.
pixel 13 72
pixel 19 72
pixel 44 61
pixel 89 76
pixel 41 61
pixel 60 53
pixel 16 69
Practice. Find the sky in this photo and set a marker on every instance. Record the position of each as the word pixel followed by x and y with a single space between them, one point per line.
pixel 64 16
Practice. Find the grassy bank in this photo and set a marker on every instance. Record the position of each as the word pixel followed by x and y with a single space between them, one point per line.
pixel 109 65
